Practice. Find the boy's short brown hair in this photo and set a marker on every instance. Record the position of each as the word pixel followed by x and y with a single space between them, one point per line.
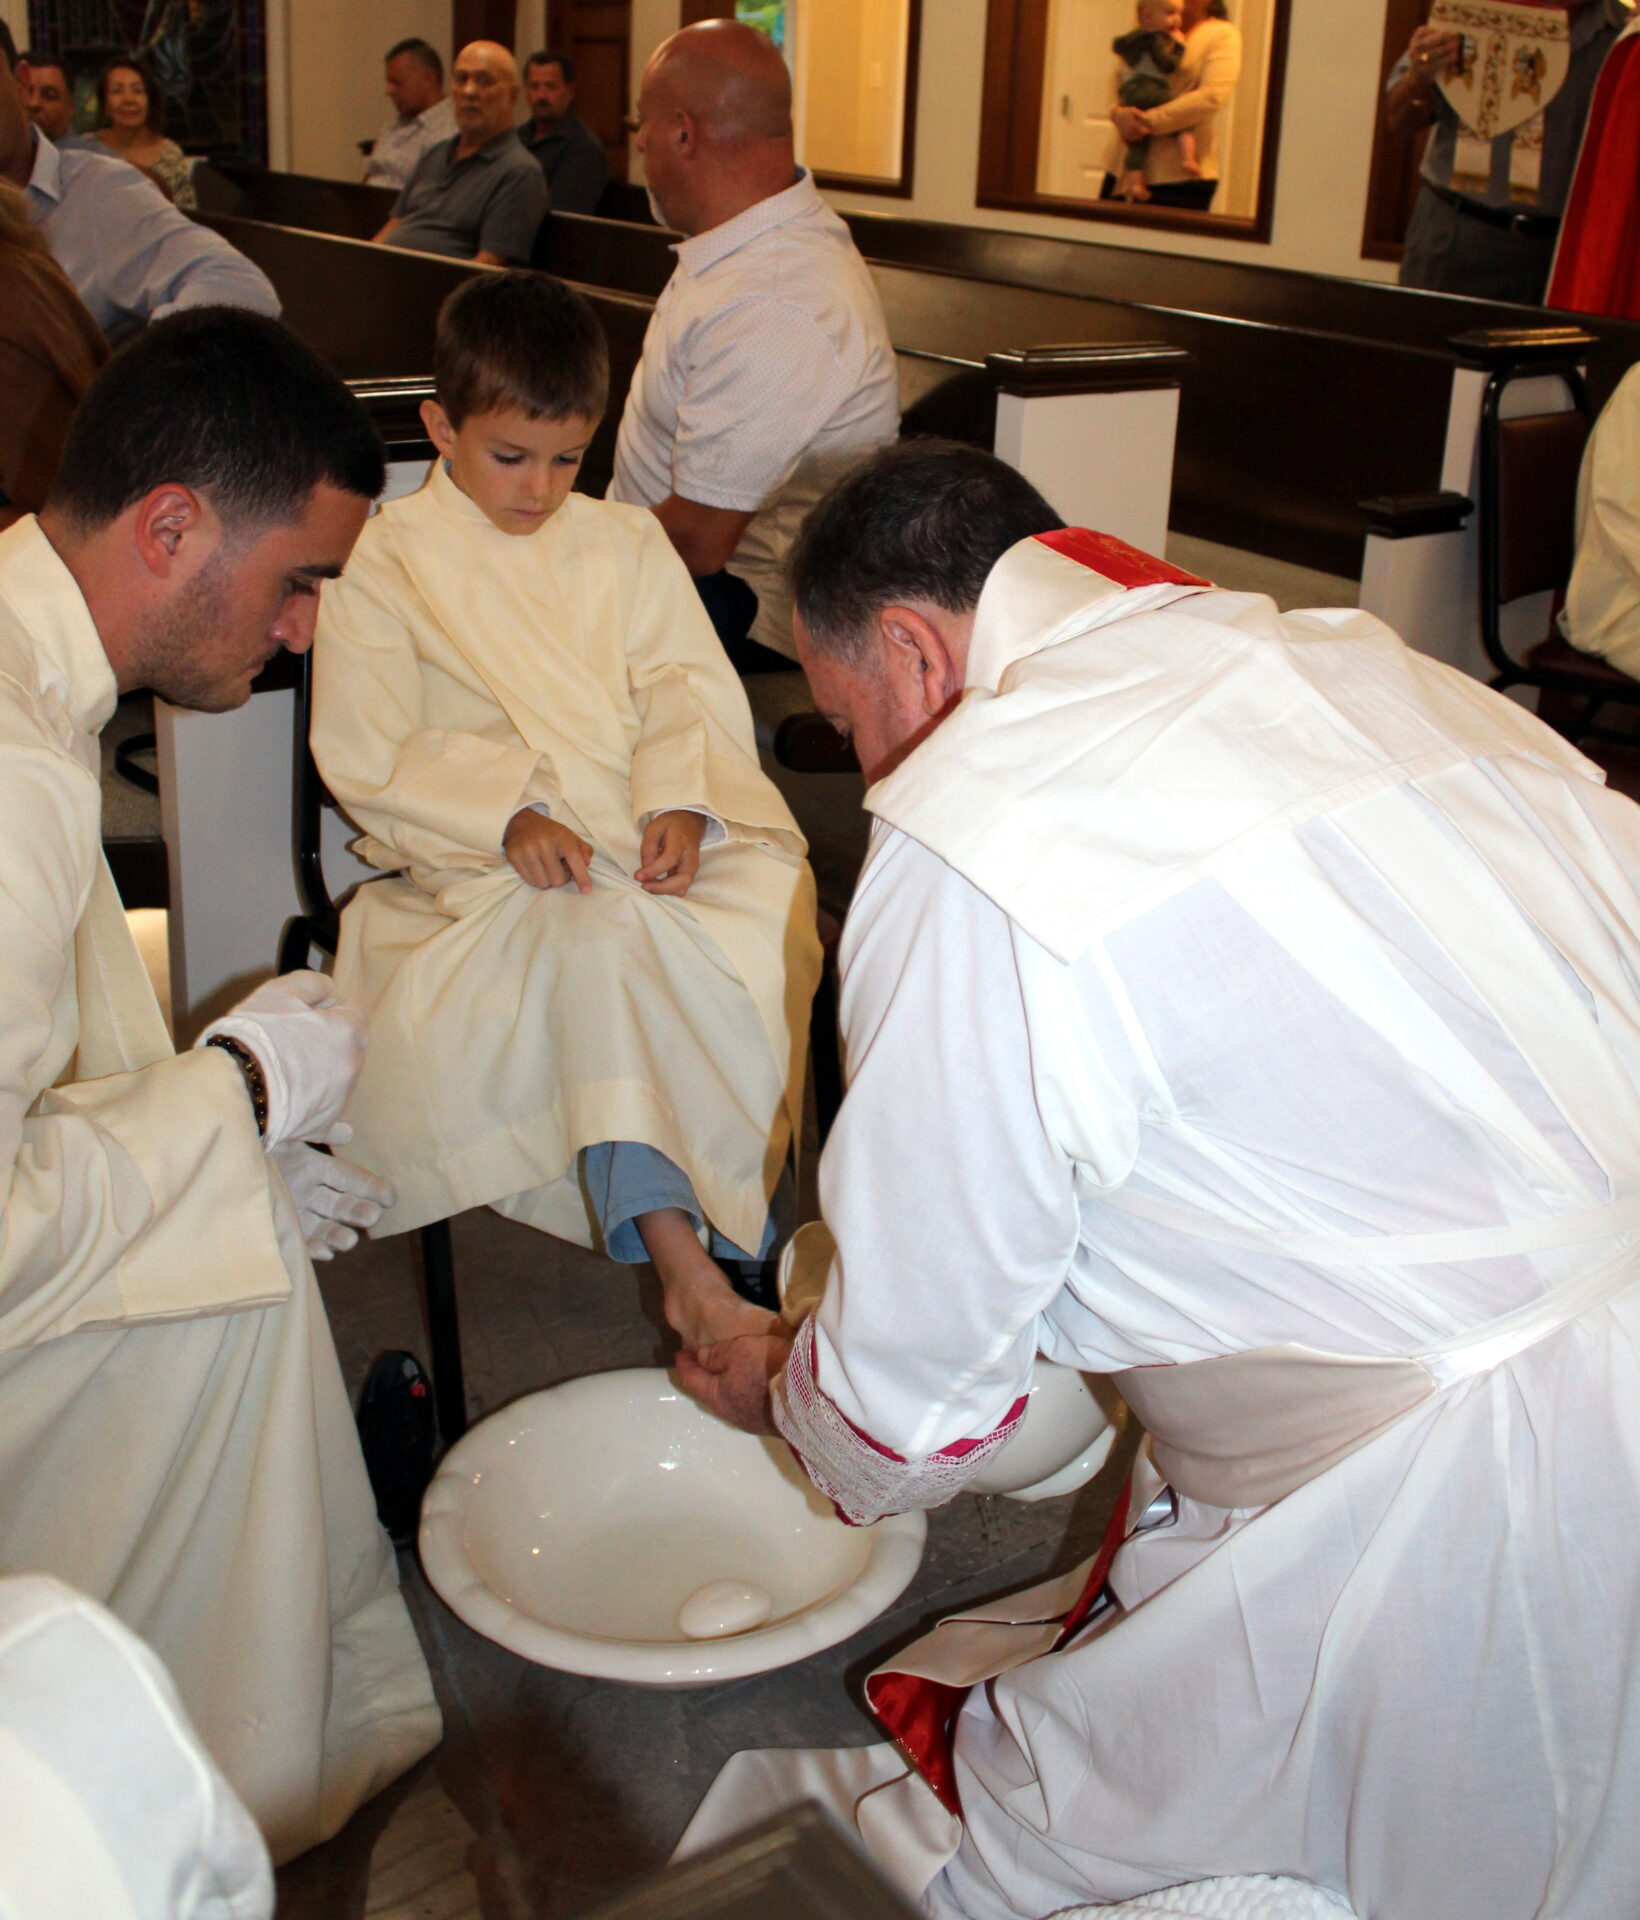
pixel 520 340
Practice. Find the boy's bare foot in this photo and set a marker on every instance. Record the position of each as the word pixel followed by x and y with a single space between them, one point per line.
pixel 701 1307
pixel 1134 188
pixel 1190 167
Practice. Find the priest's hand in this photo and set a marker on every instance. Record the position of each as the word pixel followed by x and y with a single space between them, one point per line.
pixel 544 853
pixel 333 1196
pixel 731 1378
pixel 671 852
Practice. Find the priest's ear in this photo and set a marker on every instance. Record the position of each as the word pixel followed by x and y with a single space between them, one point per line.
pixel 925 654
pixel 439 430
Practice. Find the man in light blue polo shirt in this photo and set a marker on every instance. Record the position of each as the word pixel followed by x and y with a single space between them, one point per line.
pixel 132 257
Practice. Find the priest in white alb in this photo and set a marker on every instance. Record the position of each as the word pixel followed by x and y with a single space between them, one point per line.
pixel 1248 1008
pixel 588 973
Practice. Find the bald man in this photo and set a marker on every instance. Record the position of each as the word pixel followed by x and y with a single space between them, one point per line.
pixel 479 195
pixel 767 369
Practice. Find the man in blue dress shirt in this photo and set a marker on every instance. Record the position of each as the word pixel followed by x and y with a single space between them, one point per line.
pixel 131 256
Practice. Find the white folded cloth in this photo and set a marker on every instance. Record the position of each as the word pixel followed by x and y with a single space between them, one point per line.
pixel 110 1808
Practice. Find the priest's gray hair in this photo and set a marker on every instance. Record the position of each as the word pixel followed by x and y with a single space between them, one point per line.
pixel 922 520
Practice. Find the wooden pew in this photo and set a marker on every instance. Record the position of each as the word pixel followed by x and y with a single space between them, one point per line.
pixel 1231 289
pixel 1370 390
pixel 346 208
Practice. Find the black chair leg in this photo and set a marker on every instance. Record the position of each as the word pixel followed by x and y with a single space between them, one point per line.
pixel 826 1051
pixel 443 1331
pixel 296 944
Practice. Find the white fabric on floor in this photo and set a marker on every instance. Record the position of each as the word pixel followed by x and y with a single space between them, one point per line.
pixel 112 1808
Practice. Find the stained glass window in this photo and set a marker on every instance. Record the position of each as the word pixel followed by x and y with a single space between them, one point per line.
pixel 209 55
pixel 772 17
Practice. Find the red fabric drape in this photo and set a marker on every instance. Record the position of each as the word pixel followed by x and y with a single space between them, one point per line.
pixel 920 1715
pixel 1597 266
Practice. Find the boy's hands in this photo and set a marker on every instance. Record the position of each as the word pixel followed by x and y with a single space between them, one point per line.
pixel 671 852
pixel 544 853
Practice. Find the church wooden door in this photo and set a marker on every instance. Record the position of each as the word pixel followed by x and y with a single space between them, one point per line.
pixel 597 35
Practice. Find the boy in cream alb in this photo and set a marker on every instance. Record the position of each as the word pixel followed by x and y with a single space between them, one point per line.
pixel 588 975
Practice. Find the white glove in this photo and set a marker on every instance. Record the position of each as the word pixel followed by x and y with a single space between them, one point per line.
pixel 332 1196
pixel 309 1048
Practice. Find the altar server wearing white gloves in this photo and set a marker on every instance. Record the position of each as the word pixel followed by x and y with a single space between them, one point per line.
pixel 1246 1007
pixel 174 1437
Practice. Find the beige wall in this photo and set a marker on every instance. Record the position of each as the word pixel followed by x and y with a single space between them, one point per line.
pixel 15 15
pixel 652 21
pixel 330 96
pixel 1326 136
pixel 851 60
pixel 1326 142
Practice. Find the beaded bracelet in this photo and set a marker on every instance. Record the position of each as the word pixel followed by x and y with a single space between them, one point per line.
pixel 255 1083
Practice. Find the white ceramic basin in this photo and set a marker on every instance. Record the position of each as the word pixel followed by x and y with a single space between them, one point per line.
pixel 1062 1442
pixel 574 1525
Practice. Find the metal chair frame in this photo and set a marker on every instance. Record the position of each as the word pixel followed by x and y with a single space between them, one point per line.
pixel 319 925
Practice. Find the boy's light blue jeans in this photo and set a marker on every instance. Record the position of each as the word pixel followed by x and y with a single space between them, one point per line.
pixel 624 1179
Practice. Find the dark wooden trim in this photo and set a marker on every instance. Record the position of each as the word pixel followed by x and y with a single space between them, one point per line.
pixel 1016 54
pixel 694 11
pixel 1393 172
pixel 1540 349
pixel 1088 366
pixel 1407 516
pixel 1151 219
pixel 903 187
pixel 1009 132
pixel 141 876
pixel 482 20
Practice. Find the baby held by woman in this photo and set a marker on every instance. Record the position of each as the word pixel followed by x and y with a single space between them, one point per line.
pixel 1150 53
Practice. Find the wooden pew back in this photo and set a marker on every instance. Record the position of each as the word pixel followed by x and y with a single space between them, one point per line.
pixel 1230 289
pixel 1284 480
pixel 1348 419
pixel 346 208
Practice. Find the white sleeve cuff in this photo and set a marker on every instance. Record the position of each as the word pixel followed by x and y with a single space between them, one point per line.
pixel 715 832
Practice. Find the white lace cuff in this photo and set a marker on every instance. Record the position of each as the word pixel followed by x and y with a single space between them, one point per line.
pixel 861 1478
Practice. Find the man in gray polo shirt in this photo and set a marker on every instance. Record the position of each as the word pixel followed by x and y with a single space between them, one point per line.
pixel 479 196
pixel 1490 244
